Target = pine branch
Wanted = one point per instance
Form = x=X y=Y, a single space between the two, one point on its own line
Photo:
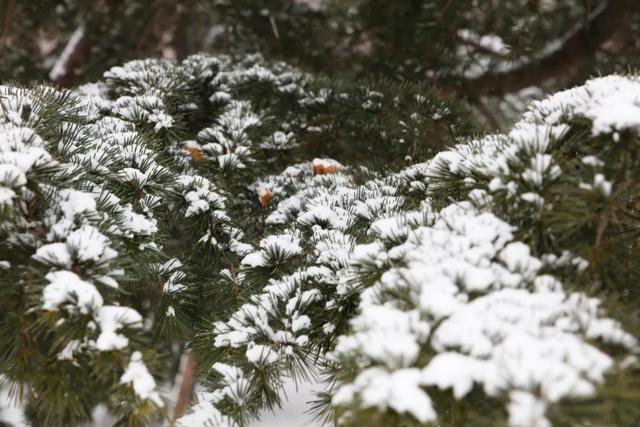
x=576 y=48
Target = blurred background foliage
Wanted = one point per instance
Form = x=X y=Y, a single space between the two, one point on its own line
x=493 y=53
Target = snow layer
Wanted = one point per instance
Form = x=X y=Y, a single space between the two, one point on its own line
x=66 y=289
x=491 y=317
x=138 y=376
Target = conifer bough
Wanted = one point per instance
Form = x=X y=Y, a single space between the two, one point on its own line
x=236 y=209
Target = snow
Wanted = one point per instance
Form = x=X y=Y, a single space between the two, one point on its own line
x=161 y=120
x=517 y=257
x=12 y=176
x=325 y=166
x=526 y=410
x=74 y=202
x=69 y=350
x=385 y=335
x=112 y=318
x=454 y=371
x=538 y=169
x=6 y=195
x=170 y=265
x=294 y=411
x=261 y=355
x=279 y=141
x=533 y=198
x=66 y=289
x=526 y=342
x=137 y=375
x=489 y=42
x=255 y=259
x=88 y=244
x=108 y=281
x=133 y=223
x=315 y=5
x=235 y=385
x=328 y=328
x=85 y=245
x=592 y=161
x=201 y=197
x=286 y=244
x=11 y=410
x=399 y=390
x=228 y=140
x=611 y=103
x=204 y=414
x=612 y=115
x=134 y=175
x=478 y=300
x=323 y=215
x=279 y=247
x=173 y=283
x=55 y=254
x=301 y=323
x=602 y=185
x=81 y=221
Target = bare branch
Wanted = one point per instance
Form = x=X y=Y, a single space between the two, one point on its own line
x=73 y=56
x=185 y=384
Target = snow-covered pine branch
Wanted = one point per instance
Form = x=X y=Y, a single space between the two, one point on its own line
x=126 y=209
x=193 y=205
x=467 y=277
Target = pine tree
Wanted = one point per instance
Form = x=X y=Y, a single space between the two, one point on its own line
x=181 y=239
x=101 y=186
x=465 y=290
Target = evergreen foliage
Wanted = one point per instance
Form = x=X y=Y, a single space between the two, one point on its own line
x=480 y=275
x=474 y=48
x=124 y=210
x=183 y=236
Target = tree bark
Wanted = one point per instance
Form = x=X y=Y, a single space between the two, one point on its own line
x=186 y=380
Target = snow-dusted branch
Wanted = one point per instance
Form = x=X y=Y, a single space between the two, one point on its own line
x=560 y=58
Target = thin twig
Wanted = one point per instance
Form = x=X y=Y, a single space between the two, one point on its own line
x=486 y=112
x=603 y=223
x=72 y=57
